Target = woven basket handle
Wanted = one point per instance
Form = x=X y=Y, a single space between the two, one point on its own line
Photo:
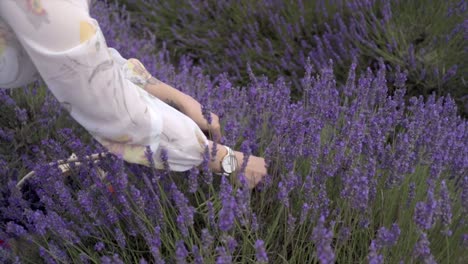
x=65 y=167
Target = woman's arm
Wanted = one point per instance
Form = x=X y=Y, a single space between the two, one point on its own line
x=185 y=104
x=179 y=100
x=69 y=50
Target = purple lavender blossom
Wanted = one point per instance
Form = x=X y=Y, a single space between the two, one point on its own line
x=424 y=212
x=115 y=259
x=322 y=238
x=387 y=238
x=99 y=246
x=227 y=212
x=260 y=253
x=374 y=257
x=230 y=243
x=422 y=251
x=344 y=235
x=211 y=213
x=21 y=114
x=149 y=156
x=304 y=212
x=120 y=237
x=6 y=135
x=464 y=194
x=464 y=240
x=58 y=253
x=207 y=239
x=15 y=230
x=186 y=212
x=411 y=193
x=181 y=252
x=45 y=255
x=445 y=208
x=254 y=222
x=193 y=179
x=243 y=205
x=84 y=258
x=223 y=256
x=198 y=258
x=292 y=220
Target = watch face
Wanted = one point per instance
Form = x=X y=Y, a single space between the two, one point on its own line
x=228 y=164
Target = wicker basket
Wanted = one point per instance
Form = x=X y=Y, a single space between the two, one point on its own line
x=64 y=166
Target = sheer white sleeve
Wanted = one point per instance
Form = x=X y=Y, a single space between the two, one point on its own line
x=97 y=86
x=69 y=51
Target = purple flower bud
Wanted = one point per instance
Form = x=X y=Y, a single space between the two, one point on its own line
x=387 y=238
x=424 y=213
x=207 y=239
x=193 y=179
x=99 y=246
x=411 y=193
x=6 y=135
x=304 y=213
x=115 y=259
x=291 y=223
x=450 y=73
x=45 y=255
x=254 y=223
x=223 y=256
x=211 y=213
x=230 y=243
x=422 y=251
x=260 y=253
x=444 y=204
x=374 y=257
x=15 y=230
x=464 y=194
x=181 y=252
x=5 y=98
x=186 y=212
x=322 y=238
x=21 y=114
x=198 y=259
x=464 y=240
x=120 y=237
x=84 y=258
x=227 y=212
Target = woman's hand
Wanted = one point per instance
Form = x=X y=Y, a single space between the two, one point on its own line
x=214 y=129
x=193 y=109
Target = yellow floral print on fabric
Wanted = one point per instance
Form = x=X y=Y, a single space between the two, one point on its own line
x=86 y=31
x=137 y=72
x=123 y=139
x=130 y=153
x=35 y=6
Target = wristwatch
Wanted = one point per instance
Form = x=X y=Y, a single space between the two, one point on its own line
x=229 y=162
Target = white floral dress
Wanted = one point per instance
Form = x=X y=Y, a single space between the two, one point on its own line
x=58 y=40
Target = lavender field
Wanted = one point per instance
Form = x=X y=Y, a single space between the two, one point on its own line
x=359 y=108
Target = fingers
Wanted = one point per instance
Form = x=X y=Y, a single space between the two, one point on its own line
x=214 y=129
x=213 y=134
x=216 y=133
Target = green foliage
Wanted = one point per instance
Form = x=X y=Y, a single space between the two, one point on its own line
x=426 y=39
x=422 y=37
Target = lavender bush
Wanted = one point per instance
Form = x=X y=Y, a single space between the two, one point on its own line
x=358 y=174
x=425 y=38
